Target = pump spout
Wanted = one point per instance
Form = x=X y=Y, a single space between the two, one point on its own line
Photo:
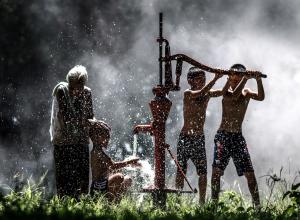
x=143 y=129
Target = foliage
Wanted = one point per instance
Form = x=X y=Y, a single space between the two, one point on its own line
x=31 y=203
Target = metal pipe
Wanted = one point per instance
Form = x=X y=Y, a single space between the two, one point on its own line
x=160 y=42
x=193 y=62
x=180 y=169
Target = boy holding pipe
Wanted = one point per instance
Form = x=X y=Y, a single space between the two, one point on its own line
x=191 y=144
x=229 y=141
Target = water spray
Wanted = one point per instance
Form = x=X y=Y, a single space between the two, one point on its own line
x=134 y=146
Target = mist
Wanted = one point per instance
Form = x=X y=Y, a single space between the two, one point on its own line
x=116 y=41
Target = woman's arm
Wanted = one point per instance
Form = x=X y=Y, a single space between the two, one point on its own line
x=90 y=113
x=63 y=106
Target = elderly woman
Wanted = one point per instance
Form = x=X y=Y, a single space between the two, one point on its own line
x=71 y=109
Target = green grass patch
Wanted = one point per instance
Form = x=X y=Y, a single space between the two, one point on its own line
x=32 y=203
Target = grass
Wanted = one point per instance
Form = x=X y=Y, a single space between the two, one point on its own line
x=32 y=203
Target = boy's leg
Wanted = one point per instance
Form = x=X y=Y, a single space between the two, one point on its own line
x=198 y=157
x=215 y=183
x=115 y=181
x=202 y=188
x=115 y=185
x=253 y=187
x=126 y=184
x=220 y=162
x=242 y=161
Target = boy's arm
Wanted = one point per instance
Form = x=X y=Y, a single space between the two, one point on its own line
x=219 y=92
x=122 y=164
x=205 y=89
x=239 y=89
x=260 y=95
x=112 y=165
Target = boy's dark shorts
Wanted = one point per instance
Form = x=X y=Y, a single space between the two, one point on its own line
x=232 y=144
x=192 y=147
x=99 y=186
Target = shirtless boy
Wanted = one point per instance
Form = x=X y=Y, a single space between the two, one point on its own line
x=113 y=185
x=229 y=141
x=191 y=144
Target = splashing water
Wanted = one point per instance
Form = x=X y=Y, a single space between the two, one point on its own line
x=142 y=176
x=134 y=150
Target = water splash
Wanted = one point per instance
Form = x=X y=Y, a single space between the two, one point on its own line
x=134 y=150
x=142 y=176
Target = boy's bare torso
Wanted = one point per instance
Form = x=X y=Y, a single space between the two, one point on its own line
x=100 y=164
x=194 y=113
x=234 y=110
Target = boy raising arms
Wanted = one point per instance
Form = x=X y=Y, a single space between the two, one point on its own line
x=114 y=185
x=229 y=141
x=191 y=144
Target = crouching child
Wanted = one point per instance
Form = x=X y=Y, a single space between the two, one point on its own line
x=104 y=177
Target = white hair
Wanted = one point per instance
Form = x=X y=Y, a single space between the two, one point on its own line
x=77 y=73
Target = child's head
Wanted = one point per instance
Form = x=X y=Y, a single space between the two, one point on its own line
x=196 y=77
x=236 y=78
x=99 y=132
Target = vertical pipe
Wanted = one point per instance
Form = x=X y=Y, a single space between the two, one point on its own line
x=159 y=154
x=160 y=46
x=160 y=107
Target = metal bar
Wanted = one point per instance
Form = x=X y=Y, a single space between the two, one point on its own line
x=214 y=70
x=166 y=190
x=160 y=42
x=180 y=169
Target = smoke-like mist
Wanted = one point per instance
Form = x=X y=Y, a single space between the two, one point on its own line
x=116 y=42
